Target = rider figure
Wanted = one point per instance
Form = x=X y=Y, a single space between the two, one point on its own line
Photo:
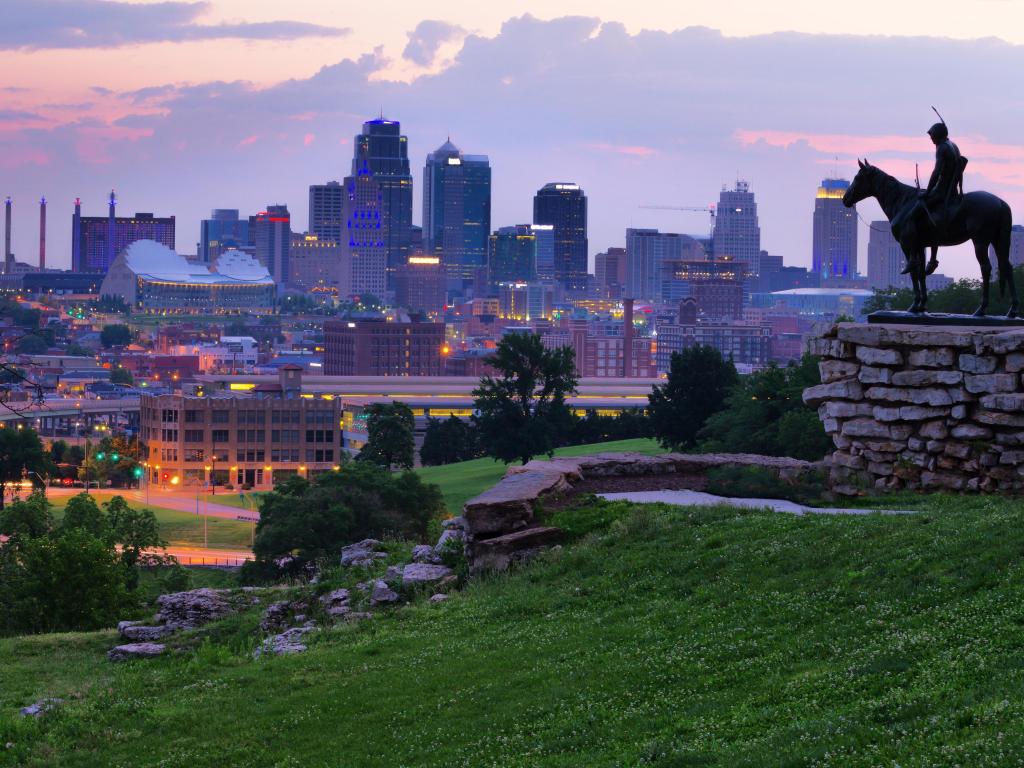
x=945 y=187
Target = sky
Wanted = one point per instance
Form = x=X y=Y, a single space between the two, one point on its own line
x=185 y=106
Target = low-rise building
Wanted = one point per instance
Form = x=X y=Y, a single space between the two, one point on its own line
x=383 y=348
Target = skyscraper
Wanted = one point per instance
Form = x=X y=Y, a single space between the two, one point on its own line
x=272 y=235
x=545 y=236
x=834 y=255
x=457 y=210
x=325 y=211
x=383 y=151
x=885 y=258
x=512 y=255
x=564 y=206
x=97 y=240
x=737 y=233
x=648 y=254
x=223 y=231
x=363 y=242
x=610 y=272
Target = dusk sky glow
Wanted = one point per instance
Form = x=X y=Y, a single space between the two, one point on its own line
x=188 y=106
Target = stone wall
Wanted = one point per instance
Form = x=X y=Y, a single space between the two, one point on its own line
x=922 y=407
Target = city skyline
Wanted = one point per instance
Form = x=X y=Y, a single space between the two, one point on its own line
x=267 y=141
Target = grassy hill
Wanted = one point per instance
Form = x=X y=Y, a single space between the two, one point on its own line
x=466 y=479
x=659 y=636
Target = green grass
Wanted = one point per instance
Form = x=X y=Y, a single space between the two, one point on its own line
x=461 y=482
x=658 y=636
x=180 y=528
x=231 y=499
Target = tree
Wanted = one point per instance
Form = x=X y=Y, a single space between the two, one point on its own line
x=135 y=532
x=699 y=380
x=121 y=375
x=115 y=335
x=31 y=344
x=20 y=452
x=82 y=512
x=447 y=441
x=77 y=350
x=306 y=521
x=113 y=459
x=765 y=414
x=26 y=518
x=389 y=443
x=521 y=412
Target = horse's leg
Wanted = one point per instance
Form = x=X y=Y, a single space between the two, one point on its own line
x=981 y=254
x=1002 y=248
x=919 y=267
x=933 y=263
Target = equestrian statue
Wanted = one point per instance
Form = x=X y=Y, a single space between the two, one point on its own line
x=941 y=215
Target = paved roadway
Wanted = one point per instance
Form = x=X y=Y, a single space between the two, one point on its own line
x=204 y=556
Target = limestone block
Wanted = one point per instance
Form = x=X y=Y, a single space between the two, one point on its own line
x=920 y=413
x=941 y=357
x=843 y=459
x=942 y=480
x=988 y=459
x=1003 y=343
x=882 y=335
x=830 y=348
x=977 y=363
x=877 y=456
x=848 y=389
x=843 y=410
x=915 y=444
x=1015 y=362
x=906 y=395
x=946 y=462
x=957 y=450
x=875 y=356
x=926 y=378
x=885 y=446
x=958 y=411
x=960 y=395
x=990 y=382
x=881 y=413
x=935 y=430
x=866 y=428
x=917 y=458
x=869 y=375
x=998 y=419
x=1011 y=457
x=1013 y=402
x=1010 y=438
x=883 y=468
x=834 y=370
x=970 y=432
x=841 y=443
x=935 y=446
x=901 y=431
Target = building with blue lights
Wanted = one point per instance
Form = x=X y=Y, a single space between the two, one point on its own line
x=223 y=231
x=834 y=256
x=96 y=240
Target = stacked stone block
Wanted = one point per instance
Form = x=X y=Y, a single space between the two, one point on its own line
x=922 y=407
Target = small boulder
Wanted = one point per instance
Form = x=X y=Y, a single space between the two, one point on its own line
x=381 y=593
x=393 y=573
x=140 y=634
x=424 y=553
x=362 y=553
x=188 y=610
x=440 y=597
x=455 y=535
x=288 y=642
x=136 y=651
x=41 y=707
x=336 y=603
x=276 y=615
x=424 y=573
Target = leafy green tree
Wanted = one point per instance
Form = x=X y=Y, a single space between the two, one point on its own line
x=765 y=414
x=21 y=452
x=136 y=533
x=521 y=412
x=72 y=581
x=115 y=335
x=699 y=380
x=74 y=455
x=390 y=440
x=595 y=428
x=82 y=512
x=447 y=441
x=26 y=518
x=113 y=459
x=305 y=521
x=31 y=344
x=121 y=375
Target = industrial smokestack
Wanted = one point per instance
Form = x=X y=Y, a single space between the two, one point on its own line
x=42 y=234
x=76 y=237
x=8 y=256
x=627 y=338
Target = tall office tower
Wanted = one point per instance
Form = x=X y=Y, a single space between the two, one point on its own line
x=97 y=240
x=221 y=232
x=457 y=211
x=8 y=256
x=564 y=206
x=737 y=234
x=834 y=257
x=610 y=272
x=272 y=236
x=512 y=255
x=545 y=235
x=382 y=150
x=318 y=266
x=363 y=242
x=420 y=285
x=648 y=251
x=1017 y=245
x=325 y=211
x=42 y=234
x=885 y=258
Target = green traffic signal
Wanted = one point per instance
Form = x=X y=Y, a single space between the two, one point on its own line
x=137 y=472
x=99 y=456
x=115 y=457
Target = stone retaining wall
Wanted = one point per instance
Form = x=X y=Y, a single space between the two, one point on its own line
x=500 y=525
x=922 y=407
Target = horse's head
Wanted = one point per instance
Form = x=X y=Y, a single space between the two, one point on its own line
x=860 y=188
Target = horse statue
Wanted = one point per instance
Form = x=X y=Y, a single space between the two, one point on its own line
x=980 y=217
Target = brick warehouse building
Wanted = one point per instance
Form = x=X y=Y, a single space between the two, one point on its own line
x=256 y=435
x=382 y=348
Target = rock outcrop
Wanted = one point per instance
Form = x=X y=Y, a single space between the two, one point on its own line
x=362 y=554
x=188 y=610
x=131 y=651
x=932 y=407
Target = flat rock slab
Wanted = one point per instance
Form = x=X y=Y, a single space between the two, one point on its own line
x=415 y=574
x=499 y=553
x=136 y=651
x=699 y=499
x=940 y=318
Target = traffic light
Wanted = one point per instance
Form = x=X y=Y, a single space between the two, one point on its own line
x=137 y=472
x=100 y=455
x=115 y=457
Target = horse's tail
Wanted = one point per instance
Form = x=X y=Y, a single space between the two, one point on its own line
x=1002 y=248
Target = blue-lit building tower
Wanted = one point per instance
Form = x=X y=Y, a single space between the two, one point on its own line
x=224 y=230
x=457 y=211
x=834 y=255
x=564 y=206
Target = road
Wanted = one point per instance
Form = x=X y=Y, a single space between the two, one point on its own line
x=179 y=501
x=203 y=556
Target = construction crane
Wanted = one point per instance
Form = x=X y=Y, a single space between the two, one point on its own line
x=708 y=209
